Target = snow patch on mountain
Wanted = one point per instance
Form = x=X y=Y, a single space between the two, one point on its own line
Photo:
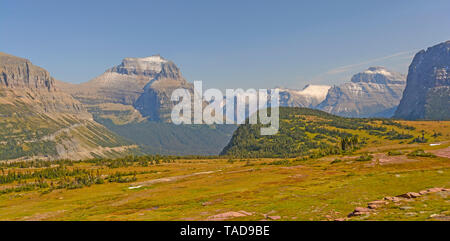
x=378 y=70
x=310 y=96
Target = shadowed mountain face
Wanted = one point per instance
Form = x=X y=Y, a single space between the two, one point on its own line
x=375 y=92
x=427 y=93
x=155 y=103
x=40 y=121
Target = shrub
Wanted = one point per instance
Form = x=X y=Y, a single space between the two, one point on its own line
x=364 y=158
x=421 y=153
x=336 y=161
x=248 y=164
x=280 y=162
x=395 y=153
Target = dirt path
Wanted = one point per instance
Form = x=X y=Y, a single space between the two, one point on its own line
x=442 y=152
x=43 y=216
x=384 y=159
x=171 y=179
x=138 y=185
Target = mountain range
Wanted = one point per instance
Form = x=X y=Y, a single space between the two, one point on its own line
x=126 y=110
x=375 y=92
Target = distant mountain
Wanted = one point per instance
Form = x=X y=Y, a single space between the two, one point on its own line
x=310 y=96
x=145 y=84
x=132 y=99
x=375 y=92
x=40 y=121
x=427 y=93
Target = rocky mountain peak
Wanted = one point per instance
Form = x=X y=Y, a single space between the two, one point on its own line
x=140 y=66
x=379 y=75
x=145 y=84
x=136 y=73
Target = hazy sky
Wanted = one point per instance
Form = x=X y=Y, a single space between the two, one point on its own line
x=227 y=44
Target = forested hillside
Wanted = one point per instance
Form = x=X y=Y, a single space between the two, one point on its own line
x=306 y=132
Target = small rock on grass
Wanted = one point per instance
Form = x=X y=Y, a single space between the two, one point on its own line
x=406 y=208
x=392 y=199
x=376 y=204
x=340 y=219
x=359 y=211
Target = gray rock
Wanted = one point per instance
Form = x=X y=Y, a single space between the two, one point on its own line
x=427 y=93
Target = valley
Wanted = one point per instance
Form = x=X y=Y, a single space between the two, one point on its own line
x=304 y=187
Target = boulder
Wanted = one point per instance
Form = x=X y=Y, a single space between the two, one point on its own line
x=435 y=189
x=378 y=202
x=359 y=211
x=392 y=199
x=410 y=195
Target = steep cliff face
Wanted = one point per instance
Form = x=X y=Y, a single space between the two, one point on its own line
x=17 y=72
x=375 y=92
x=40 y=121
x=427 y=93
x=22 y=81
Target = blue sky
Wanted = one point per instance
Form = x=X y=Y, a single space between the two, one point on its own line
x=227 y=44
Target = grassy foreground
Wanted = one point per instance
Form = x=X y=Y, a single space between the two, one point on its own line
x=326 y=188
